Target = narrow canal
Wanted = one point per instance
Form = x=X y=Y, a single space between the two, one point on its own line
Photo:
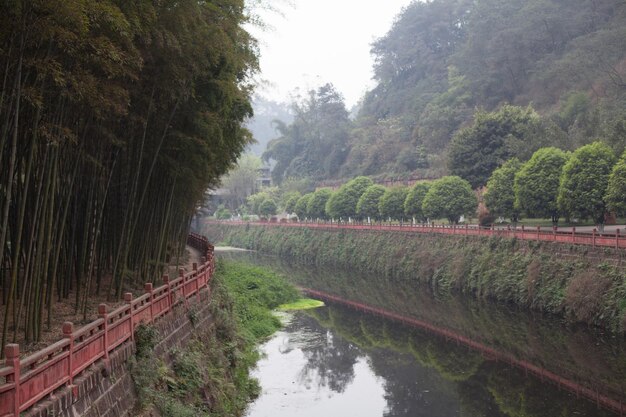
x=339 y=361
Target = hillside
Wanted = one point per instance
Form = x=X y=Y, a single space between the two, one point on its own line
x=443 y=61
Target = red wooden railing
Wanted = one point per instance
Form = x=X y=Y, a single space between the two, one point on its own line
x=594 y=238
x=601 y=399
x=25 y=381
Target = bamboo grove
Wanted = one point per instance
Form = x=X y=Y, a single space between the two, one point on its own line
x=115 y=117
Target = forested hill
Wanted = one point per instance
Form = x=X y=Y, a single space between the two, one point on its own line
x=444 y=60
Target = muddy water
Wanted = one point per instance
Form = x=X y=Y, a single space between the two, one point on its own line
x=337 y=361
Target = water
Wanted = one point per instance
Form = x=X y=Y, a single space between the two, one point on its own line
x=337 y=361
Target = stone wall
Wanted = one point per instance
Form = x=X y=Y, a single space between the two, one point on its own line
x=107 y=389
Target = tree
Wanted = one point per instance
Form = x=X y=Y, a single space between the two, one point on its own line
x=391 y=204
x=255 y=200
x=316 y=207
x=268 y=208
x=241 y=179
x=315 y=143
x=222 y=213
x=616 y=191
x=584 y=182
x=450 y=197
x=415 y=199
x=301 y=206
x=500 y=195
x=290 y=201
x=367 y=206
x=476 y=151
x=342 y=204
x=537 y=183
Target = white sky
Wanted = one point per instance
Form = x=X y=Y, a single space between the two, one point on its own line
x=320 y=41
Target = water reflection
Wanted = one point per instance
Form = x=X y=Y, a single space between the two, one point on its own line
x=423 y=374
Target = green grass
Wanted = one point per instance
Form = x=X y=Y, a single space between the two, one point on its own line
x=301 y=304
x=210 y=376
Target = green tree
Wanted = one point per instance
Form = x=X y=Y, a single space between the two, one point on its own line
x=316 y=207
x=290 y=200
x=476 y=151
x=255 y=200
x=315 y=143
x=500 y=195
x=537 y=183
x=584 y=182
x=415 y=199
x=391 y=204
x=367 y=206
x=222 y=213
x=268 y=208
x=241 y=179
x=616 y=191
x=301 y=206
x=450 y=197
x=342 y=204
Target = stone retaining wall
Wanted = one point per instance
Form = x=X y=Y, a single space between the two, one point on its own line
x=107 y=390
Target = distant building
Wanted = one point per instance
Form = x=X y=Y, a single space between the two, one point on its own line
x=264 y=178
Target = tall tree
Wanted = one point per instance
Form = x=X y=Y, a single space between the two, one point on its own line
x=500 y=195
x=342 y=204
x=367 y=206
x=616 y=190
x=584 y=182
x=477 y=150
x=450 y=197
x=391 y=204
x=537 y=183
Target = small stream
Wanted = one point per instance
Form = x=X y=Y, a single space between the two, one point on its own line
x=337 y=361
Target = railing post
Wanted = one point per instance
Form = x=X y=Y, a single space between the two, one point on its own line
x=68 y=333
x=128 y=299
x=538 y=232
x=523 y=237
x=102 y=312
x=181 y=274
x=197 y=280
x=594 y=236
x=554 y=228
x=12 y=355
x=466 y=229
x=150 y=290
x=492 y=229
x=574 y=234
x=617 y=239
x=166 y=281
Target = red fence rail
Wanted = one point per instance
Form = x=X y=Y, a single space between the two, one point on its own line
x=593 y=394
x=25 y=381
x=594 y=238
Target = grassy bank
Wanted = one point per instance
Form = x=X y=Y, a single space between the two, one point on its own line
x=579 y=283
x=211 y=376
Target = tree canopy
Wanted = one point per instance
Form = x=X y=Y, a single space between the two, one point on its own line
x=116 y=118
x=537 y=183
x=391 y=204
x=342 y=204
x=415 y=200
x=584 y=182
x=450 y=197
x=476 y=151
x=616 y=189
x=500 y=195
x=316 y=207
x=367 y=206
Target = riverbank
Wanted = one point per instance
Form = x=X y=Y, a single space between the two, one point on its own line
x=211 y=376
x=580 y=283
